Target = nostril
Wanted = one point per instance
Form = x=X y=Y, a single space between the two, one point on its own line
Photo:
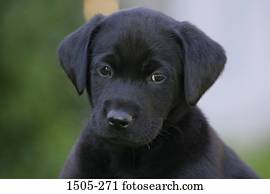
x=118 y=122
x=119 y=119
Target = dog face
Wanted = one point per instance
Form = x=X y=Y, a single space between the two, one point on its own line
x=133 y=79
x=137 y=65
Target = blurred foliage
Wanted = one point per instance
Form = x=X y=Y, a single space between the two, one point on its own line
x=41 y=114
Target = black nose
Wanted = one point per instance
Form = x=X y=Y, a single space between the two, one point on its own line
x=119 y=118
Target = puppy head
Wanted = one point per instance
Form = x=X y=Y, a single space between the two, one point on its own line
x=137 y=65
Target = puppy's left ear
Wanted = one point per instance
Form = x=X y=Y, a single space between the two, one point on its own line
x=73 y=52
x=204 y=60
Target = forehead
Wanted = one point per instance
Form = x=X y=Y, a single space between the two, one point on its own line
x=132 y=39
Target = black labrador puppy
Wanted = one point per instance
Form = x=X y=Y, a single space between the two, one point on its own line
x=144 y=73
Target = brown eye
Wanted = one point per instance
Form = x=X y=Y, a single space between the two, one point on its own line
x=105 y=71
x=157 y=77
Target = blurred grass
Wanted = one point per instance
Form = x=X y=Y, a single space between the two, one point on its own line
x=41 y=114
x=258 y=159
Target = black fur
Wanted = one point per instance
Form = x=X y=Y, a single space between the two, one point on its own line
x=168 y=136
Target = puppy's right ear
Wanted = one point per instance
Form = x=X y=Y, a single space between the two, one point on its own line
x=73 y=52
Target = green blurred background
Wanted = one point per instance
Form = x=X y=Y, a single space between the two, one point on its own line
x=41 y=114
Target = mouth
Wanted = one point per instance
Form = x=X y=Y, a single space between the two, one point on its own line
x=118 y=141
x=133 y=137
x=123 y=142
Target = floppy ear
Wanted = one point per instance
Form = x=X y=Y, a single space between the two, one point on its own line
x=204 y=60
x=73 y=53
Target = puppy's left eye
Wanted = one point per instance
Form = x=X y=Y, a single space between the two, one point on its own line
x=157 y=77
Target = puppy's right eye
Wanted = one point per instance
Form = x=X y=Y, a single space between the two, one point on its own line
x=105 y=71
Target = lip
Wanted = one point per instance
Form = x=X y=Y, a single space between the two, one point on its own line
x=116 y=140
x=119 y=142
